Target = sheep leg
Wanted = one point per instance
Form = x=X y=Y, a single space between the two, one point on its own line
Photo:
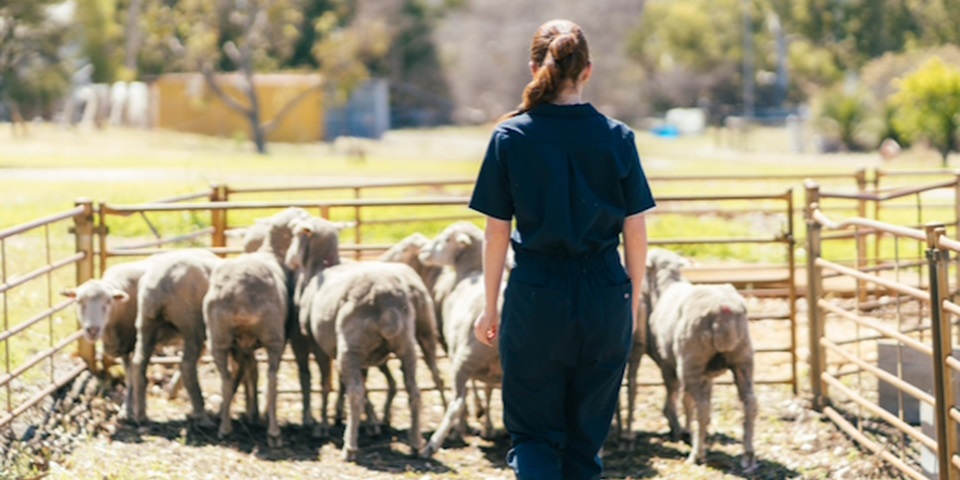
x=488 y=430
x=226 y=388
x=672 y=383
x=409 y=367
x=250 y=378
x=324 y=363
x=478 y=404
x=633 y=366
x=743 y=377
x=689 y=402
x=454 y=412
x=391 y=394
x=127 y=413
x=146 y=342
x=701 y=397
x=192 y=347
x=338 y=406
x=351 y=374
x=373 y=424
x=274 y=354
x=430 y=358
x=301 y=351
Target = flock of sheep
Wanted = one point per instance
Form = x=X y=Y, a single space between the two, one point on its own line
x=291 y=286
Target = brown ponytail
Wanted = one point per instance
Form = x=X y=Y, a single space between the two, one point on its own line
x=560 y=50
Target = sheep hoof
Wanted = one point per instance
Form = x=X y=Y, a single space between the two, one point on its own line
x=226 y=429
x=349 y=454
x=203 y=422
x=694 y=459
x=373 y=429
x=748 y=462
x=274 y=441
x=428 y=450
x=320 y=431
x=488 y=433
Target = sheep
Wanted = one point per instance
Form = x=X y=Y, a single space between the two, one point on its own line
x=637 y=350
x=460 y=246
x=253 y=236
x=695 y=333
x=169 y=306
x=246 y=307
x=357 y=313
x=107 y=310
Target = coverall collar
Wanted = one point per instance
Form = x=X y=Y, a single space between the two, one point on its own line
x=553 y=110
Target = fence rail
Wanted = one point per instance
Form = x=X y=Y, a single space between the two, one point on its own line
x=878 y=188
x=865 y=393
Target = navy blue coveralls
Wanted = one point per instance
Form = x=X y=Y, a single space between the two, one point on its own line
x=569 y=176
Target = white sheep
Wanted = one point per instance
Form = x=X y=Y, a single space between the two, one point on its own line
x=359 y=314
x=169 y=307
x=695 y=333
x=246 y=308
x=107 y=310
x=460 y=246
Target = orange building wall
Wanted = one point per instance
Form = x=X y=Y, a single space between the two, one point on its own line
x=184 y=102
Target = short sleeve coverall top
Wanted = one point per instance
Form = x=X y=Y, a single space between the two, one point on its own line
x=569 y=176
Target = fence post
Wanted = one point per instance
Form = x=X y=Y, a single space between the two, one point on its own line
x=814 y=287
x=83 y=230
x=956 y=233
x=942 y=348
x=861 y=176
x=356 y=218
x=792 y=290
x=218 y=218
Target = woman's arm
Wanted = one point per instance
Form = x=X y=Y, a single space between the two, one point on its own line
x=495 y=243
x=635 y=250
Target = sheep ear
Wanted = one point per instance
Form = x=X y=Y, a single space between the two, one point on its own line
x=69 y=292
x=341 y=226
x=120 y=296
x=464 y=239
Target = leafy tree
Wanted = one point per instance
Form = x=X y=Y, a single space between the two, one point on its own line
x=847 y=115
x=31 y=72
x=102 y=37
x=928 y=106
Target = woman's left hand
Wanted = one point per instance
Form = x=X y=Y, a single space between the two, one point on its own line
x=486 y=328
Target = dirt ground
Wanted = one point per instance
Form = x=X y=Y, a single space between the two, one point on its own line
x=791 y=440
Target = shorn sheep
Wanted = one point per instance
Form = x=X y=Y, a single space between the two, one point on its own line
x=107 y=310
x=246 y=308
x=359 y=314
x=170 y=306
x=460 y=246
x=695 y=333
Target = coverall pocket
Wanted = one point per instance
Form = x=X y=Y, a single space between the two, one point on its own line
x=614 y=333
x=534 y=321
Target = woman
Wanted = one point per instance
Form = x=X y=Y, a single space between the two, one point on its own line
x=572 y=179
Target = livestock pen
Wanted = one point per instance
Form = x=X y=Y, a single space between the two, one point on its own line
x=741 y=229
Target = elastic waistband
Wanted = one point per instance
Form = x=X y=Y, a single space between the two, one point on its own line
x=534 y=259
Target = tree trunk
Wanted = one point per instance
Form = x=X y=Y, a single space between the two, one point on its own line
x=259 y=136
x=133 y=37
x=944 y=153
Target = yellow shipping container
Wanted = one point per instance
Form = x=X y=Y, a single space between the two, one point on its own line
x=184 y=102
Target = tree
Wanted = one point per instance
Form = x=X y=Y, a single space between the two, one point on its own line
x=243 y=35
x=928 y=106
x=31 y=73
x=847 y=116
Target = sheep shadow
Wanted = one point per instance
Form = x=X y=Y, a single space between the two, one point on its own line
x=248 y=437
x=621 y=462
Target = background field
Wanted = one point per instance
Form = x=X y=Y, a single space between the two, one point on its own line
x=45 y=173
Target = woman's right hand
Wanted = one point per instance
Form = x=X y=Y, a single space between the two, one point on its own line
x=487 y=327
